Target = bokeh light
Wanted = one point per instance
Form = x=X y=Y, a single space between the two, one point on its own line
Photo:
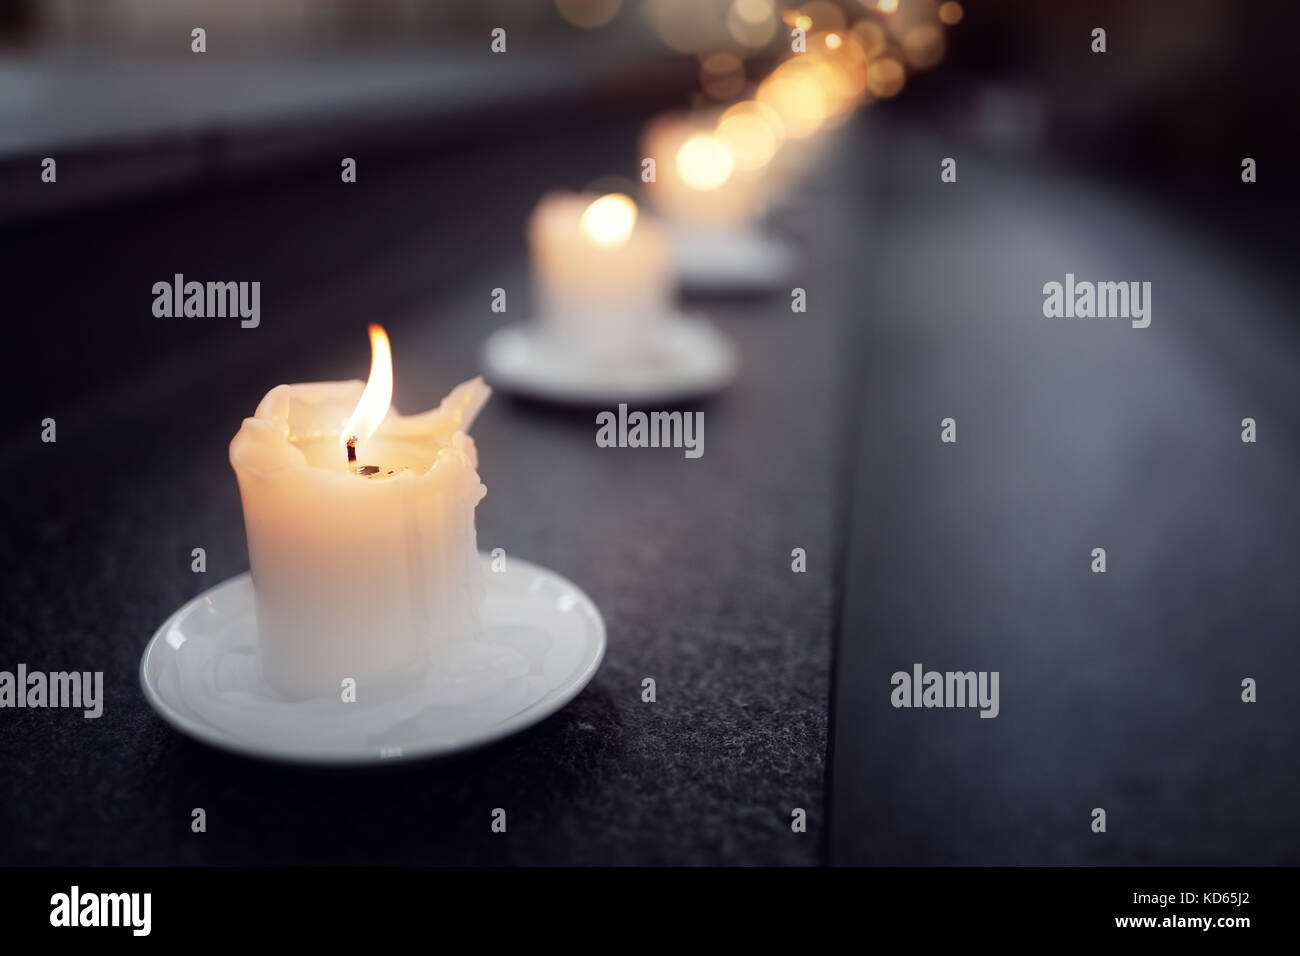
x=849 y=60
x=752 y=131
x=870 y=36
x=688 y=26
x=923 y=46
x=588 y=14
x=752 y=23
x=823 y=15
x=609 y=220
x=885 y=77
x=722 y=75
x=794 y=92
x=704 y=162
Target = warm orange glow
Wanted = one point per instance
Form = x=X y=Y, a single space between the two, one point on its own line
x=704 y=162
x=752 y=23
x=870 y=37
x=803 y=22
x=588 y=14
x=753 y=132
x=833 y=41
x=609 y=220
x=795 y=93
x=824 y=14
x=842 y=77
x=923 y=46
x=686 y=26
x=885 y=77
x=951 y=12
x=753 y=11
x=722 y=75
x=888 y=6
x=378 y=393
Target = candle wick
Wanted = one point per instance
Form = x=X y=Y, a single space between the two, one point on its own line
x=352 y=449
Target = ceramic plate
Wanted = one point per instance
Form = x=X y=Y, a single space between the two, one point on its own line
x=687 y=358
x=540 y=644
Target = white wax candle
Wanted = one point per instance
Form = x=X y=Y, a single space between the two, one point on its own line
x=358 y=577
x=602 y=272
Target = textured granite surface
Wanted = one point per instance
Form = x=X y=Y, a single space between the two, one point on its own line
x=1119 y=690
x=689 y=560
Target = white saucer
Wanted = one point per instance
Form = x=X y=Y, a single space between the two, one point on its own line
x=541 y=642
x=685 y=358
x=737 y=261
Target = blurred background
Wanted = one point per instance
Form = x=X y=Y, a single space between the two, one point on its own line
x=924 y=302
x=1186 y=90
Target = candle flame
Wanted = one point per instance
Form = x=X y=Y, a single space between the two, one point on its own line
x=378 y=394
x=609 y=220
x=704 y=162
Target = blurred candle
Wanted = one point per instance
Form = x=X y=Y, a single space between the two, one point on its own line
x=703 y=177
x=359 y=568
x=601 y=270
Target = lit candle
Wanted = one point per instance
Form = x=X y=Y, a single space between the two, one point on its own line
x=706 y=174
x=360 y=529
x=602 y=272
x=710 y=186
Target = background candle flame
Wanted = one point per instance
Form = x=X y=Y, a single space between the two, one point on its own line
x=378 y=394
x=704 y=162
x=609 y=220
